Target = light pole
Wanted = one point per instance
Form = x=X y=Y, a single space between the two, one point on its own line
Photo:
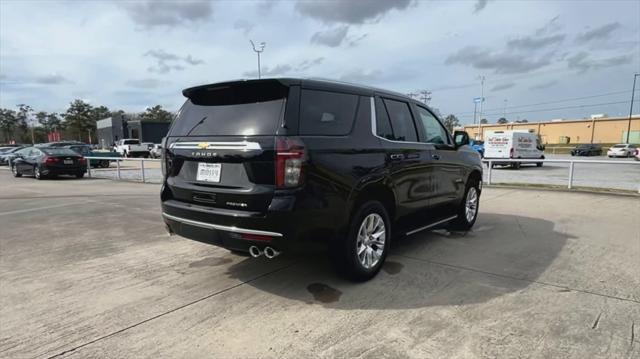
x=504 y=109
x=258 y=50
x=482 y=78
x=631 y=107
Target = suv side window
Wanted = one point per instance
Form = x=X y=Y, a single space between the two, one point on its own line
x=327 y=113
x=383 y=126
x=401 y=121
x=434 y=131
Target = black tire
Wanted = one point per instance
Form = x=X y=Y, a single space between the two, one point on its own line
x=515 y=165
x=104 y=164
x=462 y=223
x=37 y=174
x=15 y=171
x=80 y=175
x=539 y=164
x=344 y=252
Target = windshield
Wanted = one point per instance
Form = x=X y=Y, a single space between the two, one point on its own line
x=619 y=146
x=83 y=150
x=583 y=146
x=58 y=151
x=131 y=142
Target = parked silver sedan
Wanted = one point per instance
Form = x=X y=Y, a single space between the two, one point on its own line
x=622 y=150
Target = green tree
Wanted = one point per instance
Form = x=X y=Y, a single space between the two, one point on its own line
x=502 y=120
x=450 y=122
x=100 y=113
x=8 y=124
x=156 y=113
x=25 y=119
x=49 y=121
x=484 y=121
x=80 y=119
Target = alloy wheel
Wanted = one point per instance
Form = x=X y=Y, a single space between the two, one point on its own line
x=370 y=245
x=471 y=204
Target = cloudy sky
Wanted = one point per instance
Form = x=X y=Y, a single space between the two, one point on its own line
x=130 y=55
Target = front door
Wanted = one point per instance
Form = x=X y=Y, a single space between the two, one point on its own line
x=448 y=173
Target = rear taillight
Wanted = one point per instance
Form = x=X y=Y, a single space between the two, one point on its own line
x=290 y=156
x=82 y=161
x=51 y=160
x=511 y=153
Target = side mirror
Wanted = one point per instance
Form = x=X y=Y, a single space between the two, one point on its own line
x=460 y=138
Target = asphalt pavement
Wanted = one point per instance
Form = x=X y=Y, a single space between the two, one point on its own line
x=87 y=270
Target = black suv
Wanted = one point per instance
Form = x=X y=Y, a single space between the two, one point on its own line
x=276 y=165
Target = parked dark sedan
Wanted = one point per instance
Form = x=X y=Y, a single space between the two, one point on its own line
x=48 y=162
x=7 y=154
x=587 y=150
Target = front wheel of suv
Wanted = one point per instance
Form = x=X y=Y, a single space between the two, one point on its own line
x=468 y=209
x=360 y=256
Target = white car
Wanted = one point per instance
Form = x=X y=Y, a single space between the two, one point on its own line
x=156 y=151
x=622 y=150
x=637 y=155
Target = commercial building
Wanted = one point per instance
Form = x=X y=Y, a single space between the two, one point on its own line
x=596 y=130
x=112 y=129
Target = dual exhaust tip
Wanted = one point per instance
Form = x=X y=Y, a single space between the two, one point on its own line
x=268 y=252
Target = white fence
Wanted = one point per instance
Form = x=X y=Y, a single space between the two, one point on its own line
x=571 y=166
x=118 y=160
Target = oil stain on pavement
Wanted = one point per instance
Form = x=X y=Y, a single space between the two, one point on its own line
x=324 y=293
x=392 y=268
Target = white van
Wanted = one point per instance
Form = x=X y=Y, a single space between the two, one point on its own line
x=513 y=145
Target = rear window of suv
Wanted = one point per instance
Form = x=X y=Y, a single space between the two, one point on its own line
x=327 y=113
x=237 y=110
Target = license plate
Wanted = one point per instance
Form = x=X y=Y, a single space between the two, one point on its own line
x=68 y=162
x=209 y=172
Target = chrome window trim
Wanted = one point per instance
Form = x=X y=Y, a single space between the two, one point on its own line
x=221 y=227
x=240 y=145
x=374 y=131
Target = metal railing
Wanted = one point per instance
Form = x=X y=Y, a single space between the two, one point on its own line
x=571 y=163
x=117 y=160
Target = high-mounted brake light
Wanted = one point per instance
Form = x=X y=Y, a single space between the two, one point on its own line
x=290 y=155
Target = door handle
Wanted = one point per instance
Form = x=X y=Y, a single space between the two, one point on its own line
x=435 y=157
x=396 y=156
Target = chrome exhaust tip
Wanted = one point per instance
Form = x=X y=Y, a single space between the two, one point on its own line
x=271 y=253
x=255 y=251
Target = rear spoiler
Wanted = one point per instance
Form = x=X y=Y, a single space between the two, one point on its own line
x=195 y=91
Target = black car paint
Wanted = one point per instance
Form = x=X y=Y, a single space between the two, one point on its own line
x=27 y=163
x=420 y=183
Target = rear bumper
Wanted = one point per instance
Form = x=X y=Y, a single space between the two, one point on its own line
x=238 y=230
x=47 y=171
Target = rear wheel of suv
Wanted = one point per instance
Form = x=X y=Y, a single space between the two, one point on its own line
x=468 y=209
x=361 y=254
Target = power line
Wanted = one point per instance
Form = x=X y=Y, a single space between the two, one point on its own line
x=551 y=102
x=564 y=108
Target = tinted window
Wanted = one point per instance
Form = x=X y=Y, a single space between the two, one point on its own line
x=435 y=133
x=131 y=142
x=401 y=121
x=59 y=152
x=256 y=118
x=326 y=113
x=24 y=151
x=83 y=150
x=383 y=127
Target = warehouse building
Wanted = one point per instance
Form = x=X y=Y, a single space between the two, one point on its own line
x=605 y=130
x=112 y=129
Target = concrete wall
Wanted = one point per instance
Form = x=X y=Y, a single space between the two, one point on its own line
x=608 y=130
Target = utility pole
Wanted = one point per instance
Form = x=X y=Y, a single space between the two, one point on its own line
x=631 y=107
x=482 y=78
x=258 y=50
x=504 y=109
x=426 y=96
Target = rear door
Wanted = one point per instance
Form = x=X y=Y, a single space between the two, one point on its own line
x=408 y=160
x=220 y=150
